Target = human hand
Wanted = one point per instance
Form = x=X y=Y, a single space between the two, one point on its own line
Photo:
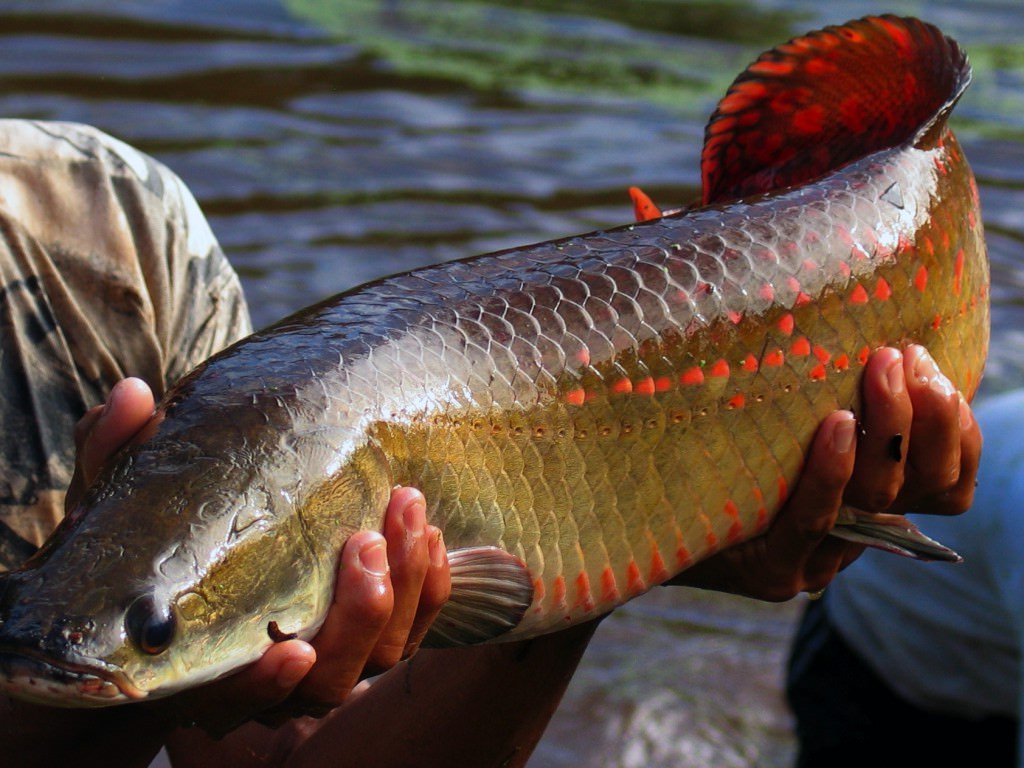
x=917 y=446
x=390 y=588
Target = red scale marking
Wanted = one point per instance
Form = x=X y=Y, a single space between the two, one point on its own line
x=859 y=295
x=735 y=317
x=710 y=539
x=736 y=529
x=584 y=598
x=921 y=279
x=720 y=369
x=622 y=387
x=801 y=347
x=936 y=322
x=662 y=384
x=844 y=269
x=822 y=354
x=810 y=119
x=882 y=289
x=737 y=401
x=818 y=372
x=609 y=589
x=783 y=490
x=583 y=356
x=658 y=572
x=863 y=354
x=802 y=299
x=644 y=386
x=786 y=324
x=775 y=358
x=749 y=364
x=767 y=292
x=692 y=377
x=842 y=362
x=683 y=556
x=558 y=592
x=634 y=581
x=793 y=283
x=958 y=271
x=538 y=592
x=575 y=397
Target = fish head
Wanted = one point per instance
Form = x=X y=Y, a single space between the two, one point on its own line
x=175 y=570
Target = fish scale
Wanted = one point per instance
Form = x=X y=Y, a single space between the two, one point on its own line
x=586 y=417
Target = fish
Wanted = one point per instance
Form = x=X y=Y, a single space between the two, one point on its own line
x=587 y=417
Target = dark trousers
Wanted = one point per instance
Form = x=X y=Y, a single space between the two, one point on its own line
x=847 y=716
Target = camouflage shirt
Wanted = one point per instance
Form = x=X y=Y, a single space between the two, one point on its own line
x=107 y=269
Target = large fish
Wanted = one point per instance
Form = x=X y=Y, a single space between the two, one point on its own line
x=587 y=416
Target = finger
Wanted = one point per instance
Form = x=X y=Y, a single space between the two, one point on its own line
x=226 y=704
x=884 y=433
x=408 y=554
x=129 y=406
x=363 y=599
x=958 y=499
x=830 y=557
x=810 y=513
x=933 y=457
x=437 y=588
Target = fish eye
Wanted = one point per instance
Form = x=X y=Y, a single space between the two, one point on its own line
x=150 y=625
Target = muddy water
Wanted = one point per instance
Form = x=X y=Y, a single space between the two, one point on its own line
x=333 y=141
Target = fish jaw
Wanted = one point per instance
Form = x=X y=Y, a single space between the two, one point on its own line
x=42 y=681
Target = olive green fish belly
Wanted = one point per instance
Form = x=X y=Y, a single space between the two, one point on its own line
x=610 y=461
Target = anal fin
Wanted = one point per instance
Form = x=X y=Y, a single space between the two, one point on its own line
x=891 y=533
x=491 y=591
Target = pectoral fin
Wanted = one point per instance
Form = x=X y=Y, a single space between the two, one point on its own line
x=891 y=533
x=491 y=591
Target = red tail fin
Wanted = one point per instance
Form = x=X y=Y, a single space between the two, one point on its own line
x=827 y=98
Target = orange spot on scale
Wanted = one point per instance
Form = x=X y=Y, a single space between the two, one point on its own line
x=921 y=279
x=863 y=354
x=818 y=372
x=822 y=354
x=575 y=397
x=802 y=299
x=786 y=324
x=538 y=591
x=558 y=592
x=882 y=289
x=634 y=581
x=859 y=295
x=936 y=322
x=762 y=519
x=683 y=556
x=783 y=490
x=800 y=348
x=644 y=386
x=737 y=401
x=842 y=362
x=774 y=359
x=662 y=384
x=958 y=271
x=735 y=317
x=584 y=598
x=749 y=364
x=736 y=529
x=658 y=572
x=609 y=589
x=692 y=376
x=583 y=356
x=719 y=369
x=622 y=387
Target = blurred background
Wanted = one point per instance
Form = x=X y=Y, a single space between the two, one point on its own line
x=334 y=141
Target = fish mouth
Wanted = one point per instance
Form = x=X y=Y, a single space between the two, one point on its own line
x=36 y=678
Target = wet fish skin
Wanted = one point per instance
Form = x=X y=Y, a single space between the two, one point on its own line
x=608 y=409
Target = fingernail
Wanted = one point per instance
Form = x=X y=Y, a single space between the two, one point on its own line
x=291 y=672
x=942 y=385
x=843 y=435
x=894 y=376
x=374 y=558
x=415 y=517
x=966 y=418
x=924 y=367
x=437 y=550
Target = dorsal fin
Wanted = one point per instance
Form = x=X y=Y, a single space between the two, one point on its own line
x=828 y=98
